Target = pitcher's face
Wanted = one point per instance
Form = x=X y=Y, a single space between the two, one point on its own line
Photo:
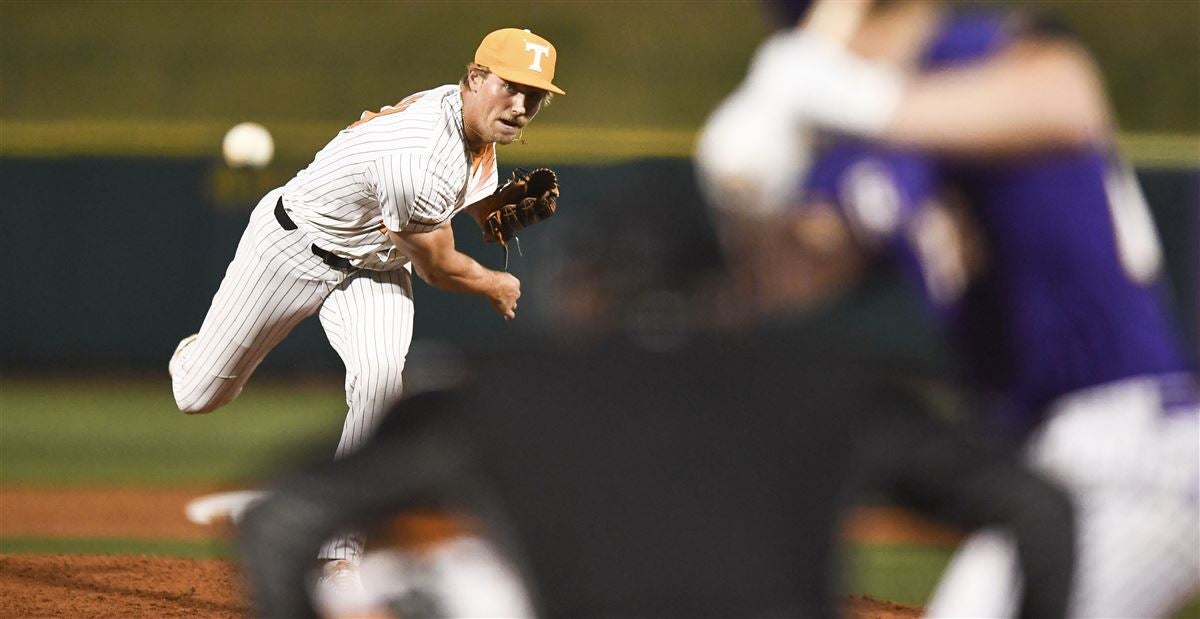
x=499 y=109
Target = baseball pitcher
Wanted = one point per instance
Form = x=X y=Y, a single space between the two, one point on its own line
x=341 y=239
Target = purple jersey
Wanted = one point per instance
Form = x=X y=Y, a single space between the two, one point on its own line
x=1067 y=295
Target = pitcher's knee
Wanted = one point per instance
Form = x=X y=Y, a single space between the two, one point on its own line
x=189 y=407
x=197 y=400
x=382 y=388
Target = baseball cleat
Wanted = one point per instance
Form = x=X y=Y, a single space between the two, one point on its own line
x=222 y=506
x=339 y=591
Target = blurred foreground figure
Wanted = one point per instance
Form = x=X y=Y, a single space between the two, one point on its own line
x=706 y=481
x=976 y=154
x=618 y=482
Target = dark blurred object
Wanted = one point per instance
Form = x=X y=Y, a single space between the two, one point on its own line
x=703 y=482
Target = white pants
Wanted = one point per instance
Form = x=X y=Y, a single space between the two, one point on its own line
x=273 y=283
x=1133 y=473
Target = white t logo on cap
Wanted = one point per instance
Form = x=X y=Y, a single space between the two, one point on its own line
x=538 y=52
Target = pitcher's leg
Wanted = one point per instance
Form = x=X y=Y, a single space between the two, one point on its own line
x=257 y=304
x=368 y=320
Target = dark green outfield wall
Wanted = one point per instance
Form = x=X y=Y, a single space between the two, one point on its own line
x=108 y=262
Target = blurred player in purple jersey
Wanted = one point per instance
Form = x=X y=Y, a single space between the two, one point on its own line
x=974 y=149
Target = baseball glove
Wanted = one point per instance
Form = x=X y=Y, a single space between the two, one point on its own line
x=527 y=198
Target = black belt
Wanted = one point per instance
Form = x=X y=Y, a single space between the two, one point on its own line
x=326 y=256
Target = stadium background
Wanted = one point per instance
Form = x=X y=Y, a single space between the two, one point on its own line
x=117 y=216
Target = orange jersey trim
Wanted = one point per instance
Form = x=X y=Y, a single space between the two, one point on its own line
x=482 y=161
x=486 y=157
x=387 y=109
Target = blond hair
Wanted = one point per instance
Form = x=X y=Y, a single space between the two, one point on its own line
x=475 y=67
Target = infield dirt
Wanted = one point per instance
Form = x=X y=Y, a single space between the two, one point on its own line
x=141 y=586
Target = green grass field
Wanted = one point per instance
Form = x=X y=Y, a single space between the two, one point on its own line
x=128 y=433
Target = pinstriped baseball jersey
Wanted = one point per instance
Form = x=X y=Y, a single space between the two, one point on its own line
x=405 y=168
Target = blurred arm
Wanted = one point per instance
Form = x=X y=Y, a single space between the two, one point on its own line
x=441 y=265
x=1037 y=95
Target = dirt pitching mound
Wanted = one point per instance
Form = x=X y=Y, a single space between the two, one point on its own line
x=119 y=587
x=867 y=607
x=140 y=586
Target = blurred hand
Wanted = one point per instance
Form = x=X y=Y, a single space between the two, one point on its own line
x=820 y=83
x=754 y=150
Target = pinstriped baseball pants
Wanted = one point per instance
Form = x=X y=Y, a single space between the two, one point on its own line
x=275 y=282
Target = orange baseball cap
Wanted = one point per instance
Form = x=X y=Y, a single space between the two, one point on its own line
x=519 y=56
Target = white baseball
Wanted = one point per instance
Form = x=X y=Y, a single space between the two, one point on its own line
x=248 y=145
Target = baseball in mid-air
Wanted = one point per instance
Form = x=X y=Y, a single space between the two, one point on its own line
x=248 y=145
